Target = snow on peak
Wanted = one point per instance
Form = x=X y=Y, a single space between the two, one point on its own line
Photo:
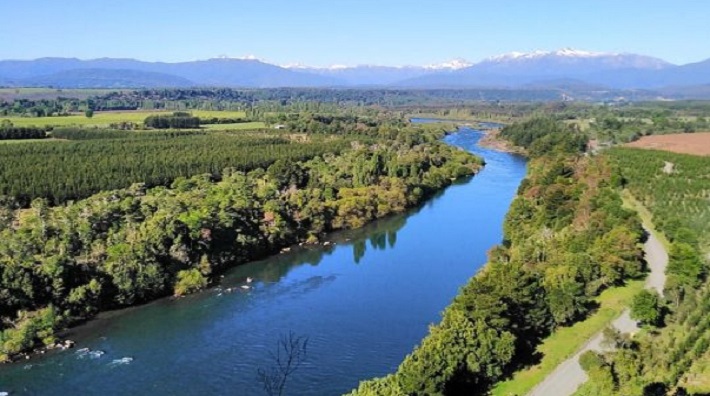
x=338 y=67
x=454 y=64
x=245 y=57
x=296 y=66
x=565 y=52
x=302 y=66
x=579 y=53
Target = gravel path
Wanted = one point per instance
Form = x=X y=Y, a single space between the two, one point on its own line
x=568 y=376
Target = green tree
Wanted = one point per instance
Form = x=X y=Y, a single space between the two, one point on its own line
x=646 y=307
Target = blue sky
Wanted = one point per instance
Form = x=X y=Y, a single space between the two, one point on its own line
x=324 y=32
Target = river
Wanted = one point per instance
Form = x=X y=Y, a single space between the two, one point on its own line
x=363 y=303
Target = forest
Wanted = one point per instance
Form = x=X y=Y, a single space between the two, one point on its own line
x=217 y=201
x=93 y=161
x=672 y=354
x=84 y=161
x=566 y=238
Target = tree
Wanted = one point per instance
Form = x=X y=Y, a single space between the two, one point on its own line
x=685 y=264
x=645 y=307
x=89 y=113
x=291 y=352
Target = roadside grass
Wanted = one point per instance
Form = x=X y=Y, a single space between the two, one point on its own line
x=104 y=118
x=566 y=341
x=630 y=202
x=586 y=389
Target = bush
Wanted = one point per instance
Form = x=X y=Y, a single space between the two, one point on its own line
x=189 y=281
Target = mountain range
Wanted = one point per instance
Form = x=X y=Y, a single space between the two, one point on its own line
x=538 y=69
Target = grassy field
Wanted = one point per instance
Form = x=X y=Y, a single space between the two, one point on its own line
x=564 y=342
x=103 y=119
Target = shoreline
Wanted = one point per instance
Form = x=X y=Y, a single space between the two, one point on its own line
x=326 y=240
x=491 y=140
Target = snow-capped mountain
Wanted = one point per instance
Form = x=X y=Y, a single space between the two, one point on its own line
x=454 y=64
x=520 y=68
x=565 y=67
x=564 y=52
x=379 y=75
x=569 y=61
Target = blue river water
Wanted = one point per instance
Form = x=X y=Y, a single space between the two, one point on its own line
x=363 y=302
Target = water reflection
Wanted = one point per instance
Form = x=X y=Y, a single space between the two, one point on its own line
x=380 y=235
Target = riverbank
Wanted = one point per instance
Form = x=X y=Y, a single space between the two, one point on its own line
x=126 y=247
x=362 y=302
x=538 y=280
x=493 y=141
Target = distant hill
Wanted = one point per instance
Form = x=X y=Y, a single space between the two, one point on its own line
x=213 y=72
x=245 y=73
x=106 y=78
x=690 y=74
x=568 y=71
x=687 y=92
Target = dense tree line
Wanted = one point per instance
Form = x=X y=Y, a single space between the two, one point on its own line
x=39 y=107
x=316 y=100
x=63 y=171
x=342 y=97
x=11 y=132
x=177 y=120
x=614 y=129
x=540 y=135
x=221 y=120
x=673 y=358
x=62 y=264
x=105 y=134
x=566 y=238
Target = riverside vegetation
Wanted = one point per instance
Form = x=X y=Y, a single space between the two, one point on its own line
x=566 y=238
x=69 y=250
x=212 y=200
x=672 y=355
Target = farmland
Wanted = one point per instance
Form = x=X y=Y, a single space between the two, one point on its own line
x=682 y=143
x=106 y=118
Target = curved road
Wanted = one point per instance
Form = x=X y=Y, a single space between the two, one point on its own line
x=568 y=376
